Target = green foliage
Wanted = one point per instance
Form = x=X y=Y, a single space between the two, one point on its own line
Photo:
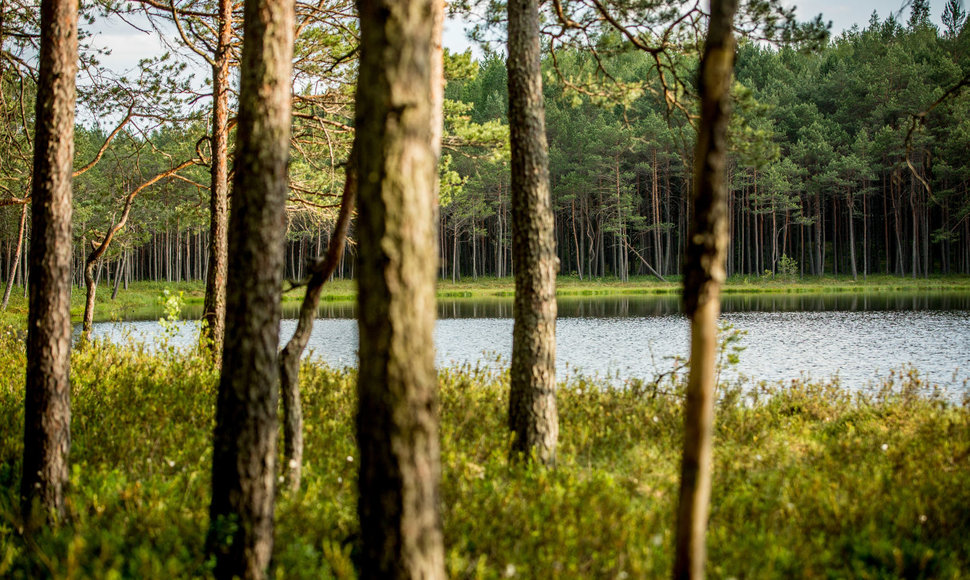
x=787 y=267
x=171 y=303
x=810 y=479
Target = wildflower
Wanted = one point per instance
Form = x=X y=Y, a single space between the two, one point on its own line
x=350 y=459
x=509 y=570
x=885 y=446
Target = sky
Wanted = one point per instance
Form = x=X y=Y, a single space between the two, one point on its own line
x=129 y=45
x=844 y=14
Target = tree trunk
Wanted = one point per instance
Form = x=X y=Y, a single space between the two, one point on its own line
x=120 y=272
x=579 y=260
x=214 y=309
x=532 y=399
x=703 y=276
x=454 y=256
x=16 y=258
x=397 y=420
x=246 y=430
x=47 y=403
x=320 y=272
x=98 y=250
x=849 y=203
x=90 y=289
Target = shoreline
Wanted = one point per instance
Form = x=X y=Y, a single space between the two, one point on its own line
x=144 y=296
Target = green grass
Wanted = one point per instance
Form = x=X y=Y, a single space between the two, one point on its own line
x=141 y=299
x=809 y=480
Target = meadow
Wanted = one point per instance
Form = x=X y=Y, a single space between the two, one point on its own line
x=809 y=480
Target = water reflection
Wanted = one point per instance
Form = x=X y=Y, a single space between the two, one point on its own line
x=624 y=306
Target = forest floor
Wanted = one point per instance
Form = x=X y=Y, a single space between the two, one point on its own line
x=809 y=480
x=142 y=299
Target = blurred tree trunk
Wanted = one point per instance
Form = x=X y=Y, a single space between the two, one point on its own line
x=47 y=413
x=320 y=271
x=704 y=274
x=532 y=401
x=397 y=421
x=246 y=431
x=214 y=310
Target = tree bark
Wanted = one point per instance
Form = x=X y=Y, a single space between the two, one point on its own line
x=849 y=202
x=246 y=430
x=704 y=274
x=47 y=406
x=532 y=399
x=214 y=309
x=120 y=272
x=16 y=258
x=320 y=271
x=90 y=291
x=397 y=420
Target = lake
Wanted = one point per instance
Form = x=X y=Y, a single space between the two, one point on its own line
x=858 y=337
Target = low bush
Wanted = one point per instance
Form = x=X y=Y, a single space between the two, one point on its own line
x=809 y=480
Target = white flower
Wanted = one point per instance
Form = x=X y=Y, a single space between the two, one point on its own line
x=922 y=518
x=170 y=462
x=509 y=570
x=885 y=446
x=350 y=459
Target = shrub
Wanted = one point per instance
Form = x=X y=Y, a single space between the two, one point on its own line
x=809 y=479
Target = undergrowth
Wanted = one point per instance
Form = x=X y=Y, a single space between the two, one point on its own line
x=809 y=480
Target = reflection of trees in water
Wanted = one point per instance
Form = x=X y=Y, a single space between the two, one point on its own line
x=656 y=305
x=851 y=302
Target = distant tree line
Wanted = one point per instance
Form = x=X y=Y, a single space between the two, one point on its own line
x=819 y=167
x=836 y=166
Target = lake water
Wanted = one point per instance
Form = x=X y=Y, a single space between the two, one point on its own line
x=858 y=337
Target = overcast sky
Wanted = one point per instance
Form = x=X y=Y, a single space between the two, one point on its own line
x=844 y=14
x=128 y=45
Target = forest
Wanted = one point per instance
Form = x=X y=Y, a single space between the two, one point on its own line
x=701 y=142
x=842 y=162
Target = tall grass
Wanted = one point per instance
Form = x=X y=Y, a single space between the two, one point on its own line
x=810 y=481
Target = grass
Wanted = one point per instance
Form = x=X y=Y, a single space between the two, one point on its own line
x=573 y=286
x=141 y=299
x=809 y=480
